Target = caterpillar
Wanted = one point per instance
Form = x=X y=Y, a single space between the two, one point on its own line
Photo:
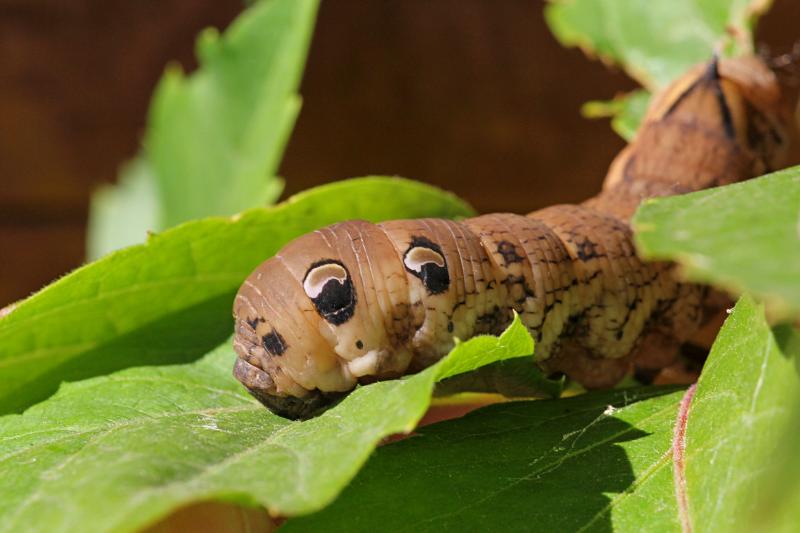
x=357 y=302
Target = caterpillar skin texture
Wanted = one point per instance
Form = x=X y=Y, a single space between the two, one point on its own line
x=357 y=302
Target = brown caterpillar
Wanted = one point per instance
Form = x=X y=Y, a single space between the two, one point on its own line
x=357 y=302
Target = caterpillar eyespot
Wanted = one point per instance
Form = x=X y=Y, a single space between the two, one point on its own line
x=327 y=283
x=424 y=260
x=357 y=302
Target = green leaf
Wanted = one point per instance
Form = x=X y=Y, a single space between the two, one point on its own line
x=655 y=41
x=742 y=237
x=601 y=461
x=777 y=502
x=626 y=112
x=170 y=299
x=121 y=215
x=215 y=138
x=598 y=462
x=118 y=452
x=514 y=378
x=744 y=406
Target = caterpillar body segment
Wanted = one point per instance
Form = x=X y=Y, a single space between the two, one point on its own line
x=357 y=302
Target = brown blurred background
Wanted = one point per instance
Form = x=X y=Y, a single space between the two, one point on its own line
x=472 y=95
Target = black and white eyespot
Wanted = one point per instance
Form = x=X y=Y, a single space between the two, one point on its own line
x=425 y=260
x=329 y=286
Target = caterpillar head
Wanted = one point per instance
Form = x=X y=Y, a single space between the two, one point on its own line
x=329 y=311
x=282 y=359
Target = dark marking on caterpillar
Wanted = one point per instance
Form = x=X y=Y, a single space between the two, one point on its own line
x=494 y=320
x=424 y=259
x=681 y=97
x=645 y=376
x=509 y=253
x=274 y=343
x=725 y=110
x=587 y=249
x=329 y=286
x=512 y=280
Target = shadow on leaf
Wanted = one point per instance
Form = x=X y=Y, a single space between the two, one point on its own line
x=543 y=465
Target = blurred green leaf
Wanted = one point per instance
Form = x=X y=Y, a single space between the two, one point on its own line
x=170 y=299
x=742 y=237
x=121 y=215
x=655 y=41
x=745 y=404
x=214 y=138
x=626 y=112
x=118 y=452
x=595 y=462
